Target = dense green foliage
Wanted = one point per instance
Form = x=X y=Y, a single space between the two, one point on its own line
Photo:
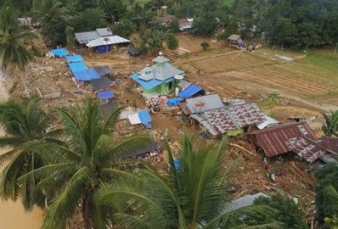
x=290 y=23
x=87 y=159
x=288 y=212
x=25 y=124
x=191 y=195
x=90 y=19
x=326 y=176
x=331 y=124
x=15 y=47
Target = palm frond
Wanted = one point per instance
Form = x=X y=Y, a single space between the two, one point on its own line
x=66 y=202
x=8 y=181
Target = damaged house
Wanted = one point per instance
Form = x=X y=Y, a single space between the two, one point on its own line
x=294 y=137
x=216 y=118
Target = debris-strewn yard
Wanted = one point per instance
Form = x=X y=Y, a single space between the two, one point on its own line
x=305 y=87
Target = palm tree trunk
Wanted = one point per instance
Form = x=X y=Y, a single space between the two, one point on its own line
x=85 y=215
x=24 y=83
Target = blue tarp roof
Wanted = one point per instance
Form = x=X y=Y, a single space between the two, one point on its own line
x=59 y=52
x=105 y=94
x=151 y=84
x=191 y=90
x=174 y=101
x=86 y=75
x=74 y=58
x=144 y=116
x=77 y=66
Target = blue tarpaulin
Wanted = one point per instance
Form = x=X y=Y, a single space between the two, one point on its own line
x=144 y=116
x=191 y=90
x=60 y=52
x=177 y=163
x=77 y=66
x=86 y=75
x=173 y=101
x=105 y=94
x=74 y=58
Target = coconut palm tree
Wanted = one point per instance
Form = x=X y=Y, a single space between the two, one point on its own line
x=25 y=124
x=89 y=159
x=47 y=10
x=192 y=193
x=14 y=48
x=331 y=124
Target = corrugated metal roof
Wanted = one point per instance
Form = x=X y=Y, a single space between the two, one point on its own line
x=217 y=121
x=85 y=37
x=204 y=103
x=166 y=19
x=234 y=37
x=329 y=143
x=222 y=120
x=104 y=32
x=246 y=114
x=243 y=201
x=185 y=23
x=107 y=41
x=287 y=137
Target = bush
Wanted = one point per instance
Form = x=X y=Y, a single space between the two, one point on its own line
x=328 y=175
x=205 y=45
x=287 y=212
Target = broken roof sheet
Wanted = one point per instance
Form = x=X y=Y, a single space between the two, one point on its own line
x=222 y=120
x=217 y=121
x=329 y=143
x=287 y=137
x=243 y=201
x=246 y=114
x=204 y=103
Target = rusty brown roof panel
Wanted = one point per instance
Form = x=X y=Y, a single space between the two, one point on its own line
x=329 y=143
x=275 y=140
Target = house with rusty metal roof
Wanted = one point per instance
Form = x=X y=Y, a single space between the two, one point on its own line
x=294 y=137
x=211 y=113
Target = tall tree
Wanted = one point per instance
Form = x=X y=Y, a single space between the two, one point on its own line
x=88 y=160
x=47 y=10
x=192 y=193
x=15 y=50
x=25 y=124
